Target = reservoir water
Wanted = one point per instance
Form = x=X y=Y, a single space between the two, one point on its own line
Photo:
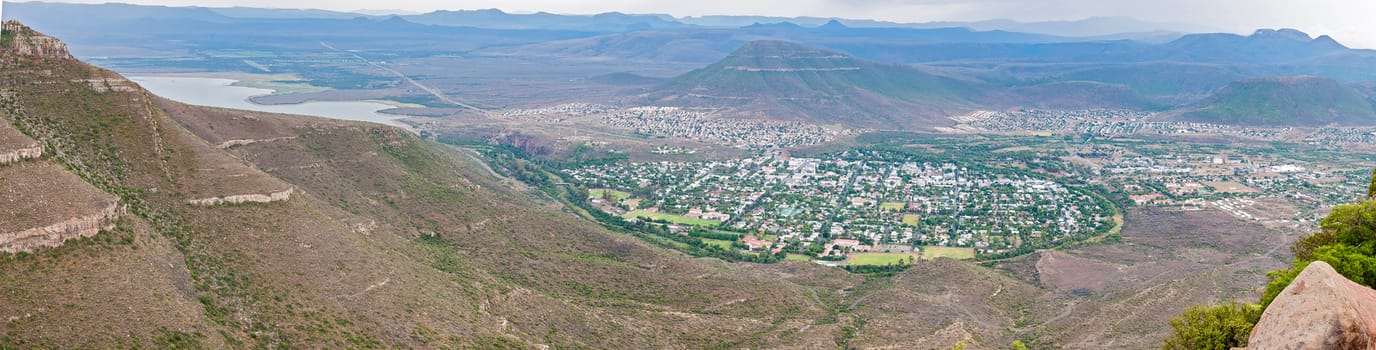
x=214 y=92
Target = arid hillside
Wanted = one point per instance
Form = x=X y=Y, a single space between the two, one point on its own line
x=214 y=228
x=246 y=230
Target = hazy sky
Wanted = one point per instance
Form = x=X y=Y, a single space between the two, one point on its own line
x=1352 y=22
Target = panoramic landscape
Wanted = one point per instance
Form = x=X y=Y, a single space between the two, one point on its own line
x=641 y=175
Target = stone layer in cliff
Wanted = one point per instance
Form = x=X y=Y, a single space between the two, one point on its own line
x=44 y=205
x=16 y=147
x=245 y=198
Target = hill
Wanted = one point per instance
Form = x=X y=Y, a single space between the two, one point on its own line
x=784 y=80
x=1285 y=101
x=1263 y=46
x=164 y=225
x=244 y=229
x=781 y=78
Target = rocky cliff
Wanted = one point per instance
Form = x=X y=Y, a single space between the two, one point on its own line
x=15 y=146
x=245 y=198
x=11 y=156
x=1319 y=310
x=27 y=42
x=55 y=234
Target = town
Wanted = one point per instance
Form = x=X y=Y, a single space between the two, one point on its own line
x=851 y=202
x=684 y=123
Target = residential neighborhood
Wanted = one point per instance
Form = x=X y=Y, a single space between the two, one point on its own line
x=852 y=201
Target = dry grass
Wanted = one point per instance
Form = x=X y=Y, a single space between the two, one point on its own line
x=958 y=253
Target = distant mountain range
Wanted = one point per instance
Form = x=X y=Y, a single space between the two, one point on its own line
x=800 y=82
x=908 y=74
x=783 y=78
x=1122 y=27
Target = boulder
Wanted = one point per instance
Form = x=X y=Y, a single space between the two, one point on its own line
x=1321 y=309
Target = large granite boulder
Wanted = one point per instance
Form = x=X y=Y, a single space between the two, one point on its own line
x=1321 y=309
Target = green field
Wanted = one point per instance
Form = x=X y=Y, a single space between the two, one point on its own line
x=797 y=257
x=913 y=220
x=671 y=218
x=879 y=258
x=724 y=244
x=616 y=195
x=891 y=206
x=933 y=252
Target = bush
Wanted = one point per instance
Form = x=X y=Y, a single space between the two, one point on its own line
x=1213 y=327
x=1346 y=240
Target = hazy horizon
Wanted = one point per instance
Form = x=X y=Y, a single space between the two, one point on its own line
x=1343 y=20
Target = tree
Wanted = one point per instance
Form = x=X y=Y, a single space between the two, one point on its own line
x=1213 y=327
x=1371 y=188
x=1346 y=240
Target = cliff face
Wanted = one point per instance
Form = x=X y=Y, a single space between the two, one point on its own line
x=15 y=146
x=32 y=185
x=1321 y=309
x=27 y=42
x=15 y=155
x=55 y=234
x=245 y=198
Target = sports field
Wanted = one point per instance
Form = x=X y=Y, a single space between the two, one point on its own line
x=933 y=252
x=880 y=258
x=677 y=219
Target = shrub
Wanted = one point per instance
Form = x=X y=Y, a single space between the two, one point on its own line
x=1213 y=327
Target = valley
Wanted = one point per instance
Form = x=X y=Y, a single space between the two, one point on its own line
x=479 y=179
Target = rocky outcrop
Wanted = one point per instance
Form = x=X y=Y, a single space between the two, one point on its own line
x=27 y=42
x=108 y=84
x=55 y=234
x=245 y=198
x=1321 y=309
x=34 y=151
x=245 y=142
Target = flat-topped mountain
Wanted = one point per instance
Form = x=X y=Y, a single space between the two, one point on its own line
x=1263 y=46
x=1286 y=101
x=783 y=78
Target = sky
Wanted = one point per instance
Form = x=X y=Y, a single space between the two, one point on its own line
x=1349 y=21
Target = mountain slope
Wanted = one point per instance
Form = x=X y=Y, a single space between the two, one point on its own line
x=782 y=78
x=385 y=241
x=1286 y=101
x=1263 y=46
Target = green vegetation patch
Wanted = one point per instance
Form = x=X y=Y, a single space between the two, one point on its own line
x=892 y=206
x=912 y=220
x=6 y=37
x=606 y=193
x=723 y=244
x=1213 y=327
x=797 y=257
x=933 y=252
x=671 y=218
x=883 y=258
x=281 y=86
